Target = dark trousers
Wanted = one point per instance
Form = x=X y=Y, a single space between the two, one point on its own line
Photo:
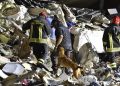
x=110 y=56
x=77 y=57
x=40 y=50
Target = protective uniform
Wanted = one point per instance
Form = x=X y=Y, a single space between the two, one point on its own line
x=111 y=39
x=39 y=32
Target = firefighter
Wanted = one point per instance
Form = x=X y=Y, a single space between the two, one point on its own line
x=111 y=40
x=39 y=32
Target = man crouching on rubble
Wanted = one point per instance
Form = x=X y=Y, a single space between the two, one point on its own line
x=111 y=40
x=39 y=32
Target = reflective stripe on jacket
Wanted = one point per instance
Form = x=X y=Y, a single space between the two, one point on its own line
x=36 y=32
x=112 y=48
x=111 y=40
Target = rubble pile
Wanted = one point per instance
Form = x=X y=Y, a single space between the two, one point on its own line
x=18 y=64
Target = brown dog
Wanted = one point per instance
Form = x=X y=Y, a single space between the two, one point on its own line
x=67 y=62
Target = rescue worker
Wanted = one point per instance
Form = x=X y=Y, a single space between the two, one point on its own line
x=63 y=39
x=39 y=32
x=111 y=40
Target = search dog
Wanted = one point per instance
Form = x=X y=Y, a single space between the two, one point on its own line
x=64 y=61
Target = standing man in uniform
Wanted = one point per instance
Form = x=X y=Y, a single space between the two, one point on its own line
x=39 y=32
x=111 y=40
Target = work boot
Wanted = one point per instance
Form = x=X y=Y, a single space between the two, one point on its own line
x=54 y=73
x=41 y=61
x=41 y=64
x=54 y=70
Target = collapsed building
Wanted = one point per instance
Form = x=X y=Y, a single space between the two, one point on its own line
x=16 y=57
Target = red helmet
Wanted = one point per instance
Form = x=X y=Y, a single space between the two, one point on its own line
x=116 y=20
x=43 y=14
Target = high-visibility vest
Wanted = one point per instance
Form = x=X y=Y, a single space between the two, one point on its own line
x=36 y=32
x=111 y=44
x=112 y=48
x=111 y=39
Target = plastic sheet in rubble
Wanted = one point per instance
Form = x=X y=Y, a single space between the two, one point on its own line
x=13 y=68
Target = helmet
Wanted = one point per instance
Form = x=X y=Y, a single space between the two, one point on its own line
x=43 y=14
x=116 y=20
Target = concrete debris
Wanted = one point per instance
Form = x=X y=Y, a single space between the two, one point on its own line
x=18 y=64
x=5 y=49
